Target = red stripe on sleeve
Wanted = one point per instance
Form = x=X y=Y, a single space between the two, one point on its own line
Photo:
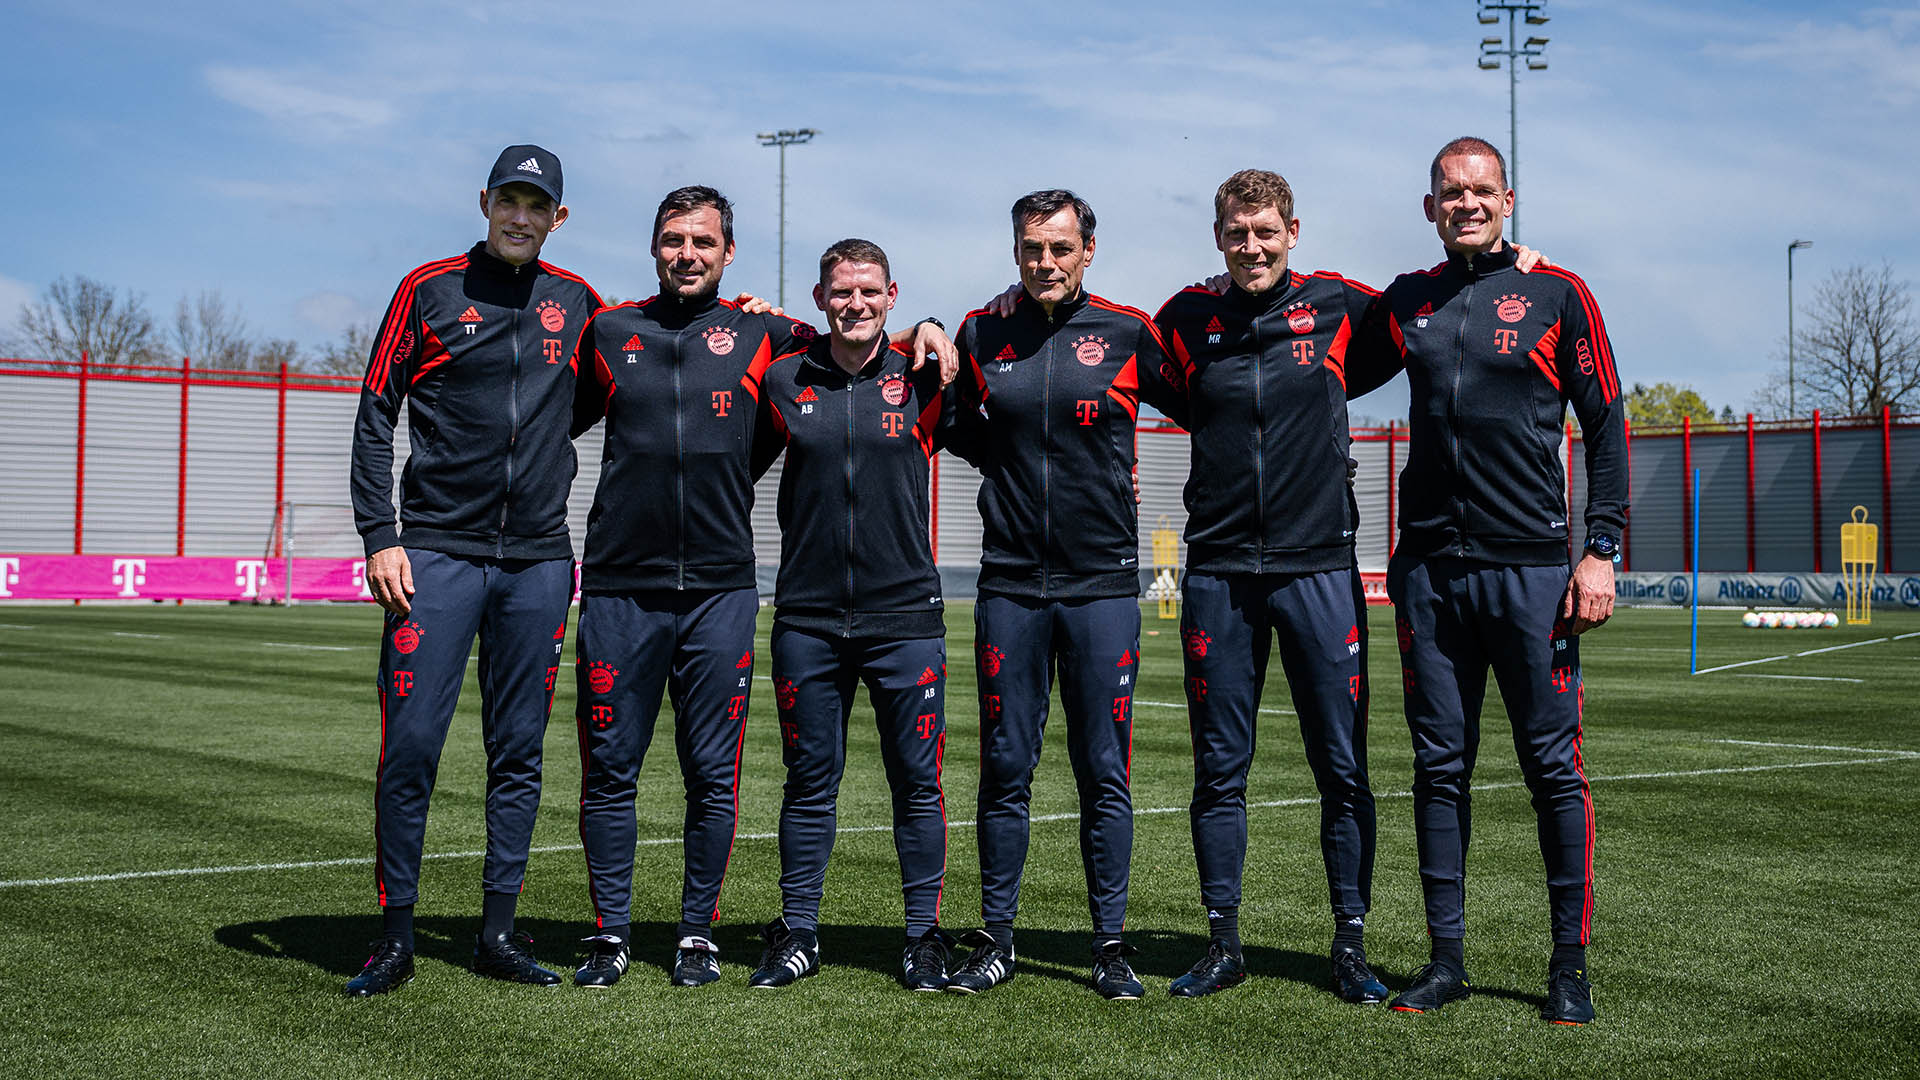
x=1336 y=360
x=1125 y=390
x=758 y=369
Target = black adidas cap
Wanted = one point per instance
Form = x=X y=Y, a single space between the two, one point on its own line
x=527 y=164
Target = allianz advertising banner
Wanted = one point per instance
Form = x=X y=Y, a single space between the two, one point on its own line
x=1778 y=590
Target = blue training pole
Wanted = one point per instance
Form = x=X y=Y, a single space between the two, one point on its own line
x=1693 y=663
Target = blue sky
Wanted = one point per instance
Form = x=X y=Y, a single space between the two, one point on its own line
x=301 y=157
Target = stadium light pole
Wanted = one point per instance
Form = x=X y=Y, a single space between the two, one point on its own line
x=784 y=138
x=1533 y=50
x=1791 y=248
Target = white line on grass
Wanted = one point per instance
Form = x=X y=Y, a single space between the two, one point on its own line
x=1837 y=648
x=1808 y=678
x=14 y=626
x=1818 y=746
x=1903 y=637
x=1182 y=705
x=317 y=648
x=129 y=633
x=1743 y=663
x=659 y=841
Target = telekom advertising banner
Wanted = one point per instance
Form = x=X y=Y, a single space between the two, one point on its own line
x=154 y=577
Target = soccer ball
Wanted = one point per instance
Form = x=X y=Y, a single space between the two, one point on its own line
x=1750 y=619
x=1832 y=619
x=1770 y=620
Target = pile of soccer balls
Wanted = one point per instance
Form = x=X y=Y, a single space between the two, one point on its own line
x=1789 y=620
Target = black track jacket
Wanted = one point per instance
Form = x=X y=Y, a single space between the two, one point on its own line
x=1263 y=385
x=1493 y=357
x=1047 y=409
x=856 y=556
x=679 y=384
x=484 y=353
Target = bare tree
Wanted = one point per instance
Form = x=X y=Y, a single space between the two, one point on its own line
x=1860 y=350
x=348 y=355
x=211 y=332
x=78 y=314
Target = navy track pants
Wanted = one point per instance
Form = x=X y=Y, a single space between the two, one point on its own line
x=698 y=648
x=1228 y=624
x=1094 y=645
x=519 y=610
x=1455 y=619
x=814 y=680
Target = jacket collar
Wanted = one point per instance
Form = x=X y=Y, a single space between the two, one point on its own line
x=1483 y=264
x=481 y=261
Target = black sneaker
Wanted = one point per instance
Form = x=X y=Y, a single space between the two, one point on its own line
x=1112 y=975
x=696 y=962
x=607 y=959
x=1569 y=997
x=785 y=961
x=1354 y=981
x=1216 y=971
x=388 y=969
x=1433 y=986
x=923 y=966
x=505 y=957
x=986 y=967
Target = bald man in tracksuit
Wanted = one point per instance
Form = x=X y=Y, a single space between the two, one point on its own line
x=857 y=601
x=482 y=348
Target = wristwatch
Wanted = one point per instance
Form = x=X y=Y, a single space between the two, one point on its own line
x=1604 y=546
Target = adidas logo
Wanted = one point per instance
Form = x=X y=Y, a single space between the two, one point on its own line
x=1126 y=659
x=470 y=315
x=746 y=660
x=1213 y=325
x=1007 y=353
x=1425 y=309
x=1353 y=636
x=927 y=678
x=806 y=396
x=633 y=345
x=531 y=166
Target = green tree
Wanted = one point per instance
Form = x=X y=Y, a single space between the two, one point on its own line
x=1668 y=403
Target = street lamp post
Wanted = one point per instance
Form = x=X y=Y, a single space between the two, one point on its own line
x=782 y=139
x=1533 y=50
x=1791 y=248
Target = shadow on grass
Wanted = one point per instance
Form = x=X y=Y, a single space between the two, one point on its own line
x=338 y=945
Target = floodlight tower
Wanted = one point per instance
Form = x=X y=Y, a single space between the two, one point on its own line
x=783 y=138
x=1791 y=248
x=1533 y=50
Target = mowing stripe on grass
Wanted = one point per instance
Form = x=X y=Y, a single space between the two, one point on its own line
x=659 y=841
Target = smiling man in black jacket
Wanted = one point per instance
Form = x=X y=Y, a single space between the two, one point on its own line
x=482 y=348
x=1480 y=577
x=858 y=601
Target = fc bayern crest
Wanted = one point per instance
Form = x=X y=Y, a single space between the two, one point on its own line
x=1513 y=307
x=1090 y=350
x=719 y=340
x=894 y=389
x=600 y=677
x=553 y=317
x=1300 y=319
x=406 y=638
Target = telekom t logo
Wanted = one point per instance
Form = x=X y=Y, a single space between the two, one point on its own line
x=551 y=348
x=1506 y=338
x=360 y=579
x=249 y=574
x=9 y=576
x=892 y=422
x=1087 y=411
x=1303 y=351
x=129 y=574
x=722 y=401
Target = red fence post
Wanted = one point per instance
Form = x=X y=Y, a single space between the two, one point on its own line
x=1393 y=481
x=180 y=497
x=1749 y=493
x=1886 y=488
x=80 y=461
x=1686 y=493
x=280 y=454
x=1817 y=567
x=1626 y=529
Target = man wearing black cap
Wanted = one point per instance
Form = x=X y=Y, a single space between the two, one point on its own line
x=482 y=345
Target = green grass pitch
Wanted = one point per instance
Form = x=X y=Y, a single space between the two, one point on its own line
x=1758 y=879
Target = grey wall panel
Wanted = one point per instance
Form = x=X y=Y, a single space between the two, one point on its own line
x=133 y=459
x=1659 y=467
x=1577 y=495
x=1782 y=501
x=587 y=450
x=1722 y=461
x=958 y=513
x=37 y=452
x=766 y=519
x=1164 y=456
x=1371 y=483
x=231 y=434
x=1903 y=517
x=1850 y=475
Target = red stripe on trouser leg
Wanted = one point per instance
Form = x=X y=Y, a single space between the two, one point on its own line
x=379 y=774
x=1586 y=799
x=940 y=785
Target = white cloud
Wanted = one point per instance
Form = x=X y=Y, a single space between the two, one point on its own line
x=14 y=295
x=304 y=111
x=331 y=312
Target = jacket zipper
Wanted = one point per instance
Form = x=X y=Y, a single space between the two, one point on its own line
x=513 y=430
x=848 y=629
x=1046 y=461
x=1259 y=453
x=679 y=463
x=1453 y=412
